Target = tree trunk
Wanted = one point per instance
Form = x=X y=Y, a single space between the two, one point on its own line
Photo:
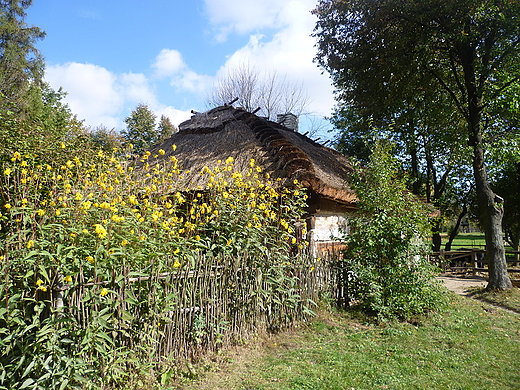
x=455 y=230
x=436 y=235
x=490 y=205
x=491 y=212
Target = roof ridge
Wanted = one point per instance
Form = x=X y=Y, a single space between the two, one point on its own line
x=291 y=157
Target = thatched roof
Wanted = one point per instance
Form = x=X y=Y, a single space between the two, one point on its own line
x=283 y=153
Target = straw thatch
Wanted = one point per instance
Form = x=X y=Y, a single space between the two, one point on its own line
x=283 y=153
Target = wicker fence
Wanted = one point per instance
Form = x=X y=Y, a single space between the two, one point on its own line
x=212 y=304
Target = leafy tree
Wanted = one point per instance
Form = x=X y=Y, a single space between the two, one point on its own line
x=47 y=129
x=253 y=89
x=386 y=256
x=33 y=118
x=423 y=146
x=505 y=179
x=387 y=51
x=165 y=128
x=140 y=128
x=21 y=65
x=105 y=139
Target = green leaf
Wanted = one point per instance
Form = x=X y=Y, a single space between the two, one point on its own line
x=28 y=382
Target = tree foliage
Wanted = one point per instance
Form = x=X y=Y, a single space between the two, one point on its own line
x=105 y=139
x=165 y=128
x=47 y=128
x=142 y=131
x=140 y=128
x=21 y=64
x=505 y=178
x=462 y=56
x=387 y=246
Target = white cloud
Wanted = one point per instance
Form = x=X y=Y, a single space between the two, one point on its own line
x=176 y=116
x=244 y=16
x=99 y=96
x=289 y=52
x=192 y=82
x=135 y=88
x=168 y=63
x=91 y=92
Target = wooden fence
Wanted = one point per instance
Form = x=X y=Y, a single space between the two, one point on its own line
x=471 y=259
x=212 y=304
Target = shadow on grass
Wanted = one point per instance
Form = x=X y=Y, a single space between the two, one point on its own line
x=497 y=298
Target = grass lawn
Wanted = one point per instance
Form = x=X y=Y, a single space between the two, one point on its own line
x=466 y=240
x=467 y=345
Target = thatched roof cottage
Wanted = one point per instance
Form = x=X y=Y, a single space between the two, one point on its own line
x=282 y=152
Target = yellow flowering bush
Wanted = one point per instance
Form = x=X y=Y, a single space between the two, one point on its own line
x=76 y=232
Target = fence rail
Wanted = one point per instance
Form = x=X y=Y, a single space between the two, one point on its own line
x=218 y=302
x=472 y=259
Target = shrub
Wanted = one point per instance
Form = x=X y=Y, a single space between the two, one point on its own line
x=74 y=233
x=386 y=257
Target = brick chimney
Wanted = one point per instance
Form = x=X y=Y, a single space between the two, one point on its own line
x=288 y=120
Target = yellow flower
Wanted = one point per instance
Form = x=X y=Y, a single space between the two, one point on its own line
x=7 y=206
x=161 y=152
x=124 y=243
x=62 y=145
x=197 y=237
x=293 y=240
x=40 y=212
x=176 y=264
x=230 y=160
x=39 y=282
x=68 y=279
x=7 y=171
x=90 y=259
x=176 y=251
x=78 y=196
x=16 y=156
x=30 y=244
x=100 y=230
x=57 y=212
x=104 y=292
x=174 y=147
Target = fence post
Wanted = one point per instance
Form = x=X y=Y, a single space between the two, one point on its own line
x=474 y=258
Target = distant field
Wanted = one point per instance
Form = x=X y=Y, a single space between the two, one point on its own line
x=466 y=240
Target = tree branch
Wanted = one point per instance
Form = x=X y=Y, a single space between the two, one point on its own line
x=461 y=108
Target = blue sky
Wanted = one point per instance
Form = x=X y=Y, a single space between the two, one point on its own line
x=111 y=55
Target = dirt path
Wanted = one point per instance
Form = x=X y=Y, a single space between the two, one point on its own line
x=461 y=285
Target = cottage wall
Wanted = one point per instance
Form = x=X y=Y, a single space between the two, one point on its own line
x=324 y=231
